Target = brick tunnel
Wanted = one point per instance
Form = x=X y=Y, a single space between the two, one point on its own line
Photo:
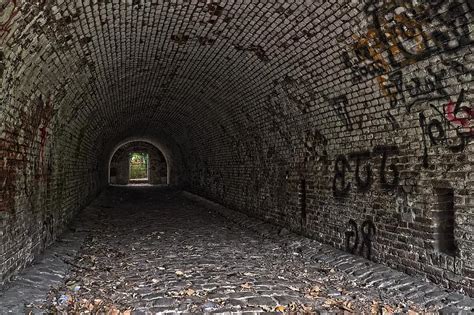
x=290 y=141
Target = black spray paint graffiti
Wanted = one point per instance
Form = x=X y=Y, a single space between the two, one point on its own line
x=393 y=87
x=462 y=117
x=360 y=69
x=340 y=105
x=410 y=31
x=431 y=87
x=416 y=90
x=339 y=186
x=448 y=122
x=392 y=120
x=363 y=172
x=361 y=158
x=387 y=151
x=403 y=32
x=352 y=240
x=465 y=74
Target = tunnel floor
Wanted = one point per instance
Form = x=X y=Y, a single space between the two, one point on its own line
x=153 y=249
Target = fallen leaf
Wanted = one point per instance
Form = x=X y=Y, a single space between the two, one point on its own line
x=246 y=285
x=346 y=305
x=189 y=292
x=293 y=306
x=114 y=311
x=329 y=302
x=387 y=309
x=97 y=301
x=280 y=308
x=314 y=291
x=374 y=310
x=307 y=309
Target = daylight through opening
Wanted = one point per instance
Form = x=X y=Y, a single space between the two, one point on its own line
x=138 y=162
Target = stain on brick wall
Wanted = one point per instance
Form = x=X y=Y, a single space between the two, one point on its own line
x=348 y=121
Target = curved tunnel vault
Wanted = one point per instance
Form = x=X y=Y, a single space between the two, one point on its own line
x=342 y=120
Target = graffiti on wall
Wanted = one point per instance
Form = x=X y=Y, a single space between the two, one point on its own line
x=340 y=105
x=451 y=126
x=460 y=115
x=359 y=164
x=9 y=9
x=33 y=125
x=405 y=32
x=402 y=32
x=359 y=240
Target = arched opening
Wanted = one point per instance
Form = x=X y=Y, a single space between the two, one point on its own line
x=138 y=162
x=138 y=167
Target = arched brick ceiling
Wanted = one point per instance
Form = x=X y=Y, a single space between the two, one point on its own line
x=198 y=71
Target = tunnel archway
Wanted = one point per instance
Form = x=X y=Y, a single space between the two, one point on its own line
x=310 y=114
x=176 y=168
x=157 y=169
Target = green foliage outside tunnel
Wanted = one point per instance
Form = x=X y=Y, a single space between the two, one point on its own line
x=138 y=166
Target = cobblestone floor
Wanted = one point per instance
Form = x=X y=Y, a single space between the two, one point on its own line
x=159 y=250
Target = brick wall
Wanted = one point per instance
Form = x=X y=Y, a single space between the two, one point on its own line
x=349 y=121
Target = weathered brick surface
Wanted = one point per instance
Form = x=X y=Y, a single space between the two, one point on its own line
x=349 y=121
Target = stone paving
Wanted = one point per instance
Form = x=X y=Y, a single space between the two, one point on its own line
x=158 y=250
x=30 y=287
